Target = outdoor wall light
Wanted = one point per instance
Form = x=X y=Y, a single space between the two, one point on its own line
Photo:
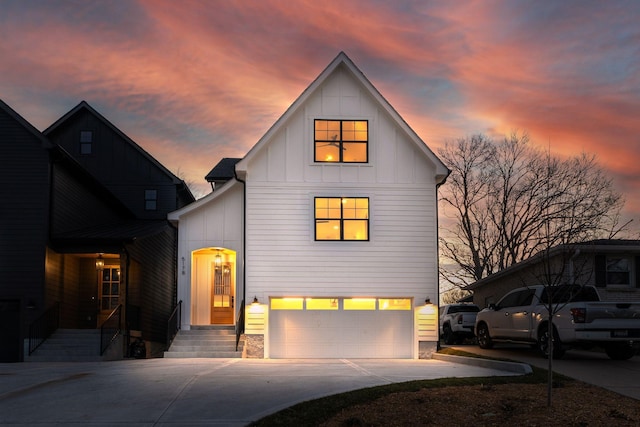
x=427 y=301
x=255 y=300
x=218 y=260
x=99 y=263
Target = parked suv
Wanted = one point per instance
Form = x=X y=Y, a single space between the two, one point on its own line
x=457 y=322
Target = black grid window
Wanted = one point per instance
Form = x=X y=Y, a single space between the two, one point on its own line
x=341 y=141
x=341 y=218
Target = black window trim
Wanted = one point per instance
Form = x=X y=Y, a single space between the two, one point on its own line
x=342 y=220
x=340 y=142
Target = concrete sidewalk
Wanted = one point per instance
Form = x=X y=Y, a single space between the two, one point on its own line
x=194 y=392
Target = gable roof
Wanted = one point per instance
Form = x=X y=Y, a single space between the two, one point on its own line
x=24 y=123
x=83 y=105
x=224 y=170
x=209 y=198
x=342 y=60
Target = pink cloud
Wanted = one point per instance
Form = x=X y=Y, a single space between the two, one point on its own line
x=207 y=79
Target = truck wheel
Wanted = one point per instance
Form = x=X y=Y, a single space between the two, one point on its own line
x=484 y=339
x=622 y=351
x=543 y=343
x=448 y=334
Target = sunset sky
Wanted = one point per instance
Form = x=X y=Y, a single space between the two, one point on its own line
x=195 y=81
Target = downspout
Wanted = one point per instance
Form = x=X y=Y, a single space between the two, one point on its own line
x=127 y=331
x=438 y=185
x=174 y=301
x=244 y=235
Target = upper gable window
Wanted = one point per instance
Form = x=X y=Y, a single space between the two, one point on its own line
x=86 y=141
x=342 y=218
x=341 y=141
x=150 y=200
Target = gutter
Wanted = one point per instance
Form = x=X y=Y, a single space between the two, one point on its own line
x=438 y=185
x=244 y=234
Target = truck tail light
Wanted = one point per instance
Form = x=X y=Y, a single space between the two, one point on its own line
x=579 y=315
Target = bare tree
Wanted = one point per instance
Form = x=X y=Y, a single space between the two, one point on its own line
x=453 y=295
x=507 y=201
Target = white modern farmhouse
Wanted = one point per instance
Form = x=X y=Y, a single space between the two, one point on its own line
x=322 y=241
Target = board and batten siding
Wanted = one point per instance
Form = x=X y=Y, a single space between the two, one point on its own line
x=283 y=258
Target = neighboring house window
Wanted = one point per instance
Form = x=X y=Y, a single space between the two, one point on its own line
x=613 y=270
x=342 y=218
x=86 y=141
x=150 y=200
x=341 y=141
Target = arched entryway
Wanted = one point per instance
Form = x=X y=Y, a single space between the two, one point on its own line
x=213 y=286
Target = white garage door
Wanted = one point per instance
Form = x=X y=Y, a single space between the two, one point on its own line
x=374 y=332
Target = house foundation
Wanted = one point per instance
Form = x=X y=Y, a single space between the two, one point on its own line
x=254 y=347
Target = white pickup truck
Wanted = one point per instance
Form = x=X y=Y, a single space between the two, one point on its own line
x=457 y=322
x=580 y=320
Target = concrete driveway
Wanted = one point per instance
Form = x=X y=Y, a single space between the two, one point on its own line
x=194 y=392
x=593 y=367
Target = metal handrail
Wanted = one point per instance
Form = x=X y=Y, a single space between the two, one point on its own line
x=174 y=324
x=43 y=327
x=110 y=329
x=240 y=324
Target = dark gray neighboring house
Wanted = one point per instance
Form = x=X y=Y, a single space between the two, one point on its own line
x=86 y=233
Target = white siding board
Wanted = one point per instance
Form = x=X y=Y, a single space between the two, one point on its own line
x=276 y=155
x=313 y=107
x=367 y=174
x=283 y=262
x=349 y=174
x=385 y=150
x=330 y=105
x=296 y=156
x=350 y=106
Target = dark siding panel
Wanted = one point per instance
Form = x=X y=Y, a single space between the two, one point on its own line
x=155 y=286
x=24 y=174
x=9 y=331
x=74 y=206
x=63 y=286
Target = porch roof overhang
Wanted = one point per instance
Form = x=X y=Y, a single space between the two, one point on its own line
x=106 y=237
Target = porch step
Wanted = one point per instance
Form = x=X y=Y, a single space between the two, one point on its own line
x=68 y=345
x=206 y=342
